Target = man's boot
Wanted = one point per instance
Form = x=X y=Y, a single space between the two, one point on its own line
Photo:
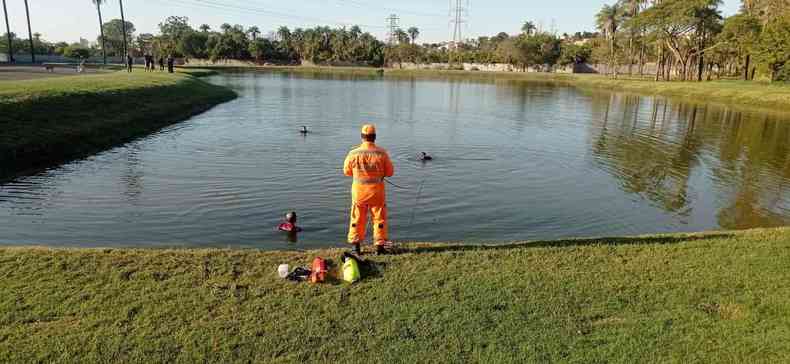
x=384 y=248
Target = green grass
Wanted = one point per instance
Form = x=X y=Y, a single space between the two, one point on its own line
x=48 y=121
x=706 y=298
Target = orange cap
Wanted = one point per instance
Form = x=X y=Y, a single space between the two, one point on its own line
x=369 y=129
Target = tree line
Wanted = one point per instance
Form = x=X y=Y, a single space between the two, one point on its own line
x=677 y=39
x=691 y=40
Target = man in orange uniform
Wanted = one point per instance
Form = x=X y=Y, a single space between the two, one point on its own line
x=369 y=165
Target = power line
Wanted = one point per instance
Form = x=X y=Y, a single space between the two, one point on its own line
x=390 y=9
x=237 y=9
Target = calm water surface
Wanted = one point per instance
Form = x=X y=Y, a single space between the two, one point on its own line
x=513 y=161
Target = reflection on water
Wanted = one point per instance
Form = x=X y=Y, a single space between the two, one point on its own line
x=512 y=161
x=661 y=152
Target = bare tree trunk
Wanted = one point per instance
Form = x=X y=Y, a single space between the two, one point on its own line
x=746 y=67
x=631 y=54
x=30 y=34
x=642 y=59
x=101 y=31
x=659 y=62
x=8 y=34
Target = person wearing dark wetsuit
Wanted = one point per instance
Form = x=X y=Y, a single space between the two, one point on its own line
x=129 y=62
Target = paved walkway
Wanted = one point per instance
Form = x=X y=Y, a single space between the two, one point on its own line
x=29 y=72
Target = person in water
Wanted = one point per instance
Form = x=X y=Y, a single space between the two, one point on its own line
x=425 y=157
x=304 y=130
x=368 y=165
x=289 y=225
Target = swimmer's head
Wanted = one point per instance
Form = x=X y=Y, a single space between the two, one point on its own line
x=291 y=217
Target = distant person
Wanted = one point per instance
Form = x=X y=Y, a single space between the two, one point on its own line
x=170 y=63
x=129 y=62
x=162 y=63
x=368 y=165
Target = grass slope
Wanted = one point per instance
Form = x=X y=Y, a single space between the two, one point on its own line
x=719 y=297
x=48 y=121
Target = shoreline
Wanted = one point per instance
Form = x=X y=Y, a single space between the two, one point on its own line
x=43 y=117
x=752 y=94
x=671 y=297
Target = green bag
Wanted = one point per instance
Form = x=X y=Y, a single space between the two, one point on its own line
x=351 y=272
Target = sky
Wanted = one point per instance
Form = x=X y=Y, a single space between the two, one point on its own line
x=70 y=20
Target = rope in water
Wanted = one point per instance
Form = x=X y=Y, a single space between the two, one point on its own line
x=396 y=186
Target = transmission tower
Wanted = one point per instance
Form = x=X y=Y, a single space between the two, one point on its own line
x=459 y=11
x=392 y=25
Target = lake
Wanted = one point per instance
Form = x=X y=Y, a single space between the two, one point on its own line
x=513 y=161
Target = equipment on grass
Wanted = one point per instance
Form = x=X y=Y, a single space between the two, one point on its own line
x=319 y=270
x=351 y=273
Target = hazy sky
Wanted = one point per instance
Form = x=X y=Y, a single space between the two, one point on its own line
x=68 y=20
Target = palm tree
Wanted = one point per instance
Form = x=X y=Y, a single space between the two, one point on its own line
x=8 y=34
x=528 y=28
x=632 y=8
x=123 y=28
x=254 y=31
x=98 y=4
x=205 y=28
x=608 y=22
x=30 y=34
x=413 y=33
x=401 y=36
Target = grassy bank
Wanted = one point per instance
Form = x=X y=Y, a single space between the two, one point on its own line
x=726 y=91
x=719 y=297
x=751 y=94
x=48 y=121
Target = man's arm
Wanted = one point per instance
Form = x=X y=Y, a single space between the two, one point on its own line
x=347 y=167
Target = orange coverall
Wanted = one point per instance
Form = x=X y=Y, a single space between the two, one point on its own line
x=368 y=164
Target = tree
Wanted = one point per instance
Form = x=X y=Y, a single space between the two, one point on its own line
x=684 y=27
x=76 y=52
x=9 y=36
x=413 y=34
x=193 y=44
x=402 y=37
x=173 y=29
x=124 y=31
x=98 y=4
x=741 y=34
x=114 y=37
x=254 y=31
x=574 y=54
x=30 y=34
x=608 y=22
x=205 y=28
x=528 y=28
x=774 y=48
x=766 y=10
